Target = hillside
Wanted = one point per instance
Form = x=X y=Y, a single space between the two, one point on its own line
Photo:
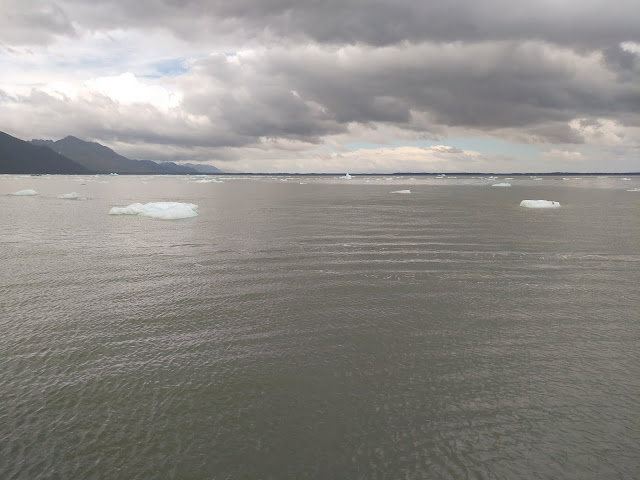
x=101 y=159
x=18 y=156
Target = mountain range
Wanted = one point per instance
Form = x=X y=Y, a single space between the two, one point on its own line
x=71 y=155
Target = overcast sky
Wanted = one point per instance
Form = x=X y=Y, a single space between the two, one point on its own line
x=331 y=85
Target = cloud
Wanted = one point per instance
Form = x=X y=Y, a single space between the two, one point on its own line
x=127 y=89
x=277 y=80
x=36 y=22
x=376 y=22
x=563 y=156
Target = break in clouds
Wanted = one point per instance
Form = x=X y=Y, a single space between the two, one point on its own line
x=265 y=85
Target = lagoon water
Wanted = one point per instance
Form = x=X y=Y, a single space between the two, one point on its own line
x=327 y=330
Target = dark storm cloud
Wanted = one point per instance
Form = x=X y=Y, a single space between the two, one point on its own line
x=376 y=22
x=306 y=93
x=30 y=23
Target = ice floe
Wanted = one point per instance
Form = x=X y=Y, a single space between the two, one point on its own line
x=539 y=204
x=25 y=193
x=162 y=210
x=634 y=190
x=501 y=185
x=401 y=191
x=206 y=180
x=70 y=196
x=346 y=176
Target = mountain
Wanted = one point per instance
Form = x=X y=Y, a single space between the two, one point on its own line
x=18 y=156
x=101 y=159
x=209 y=169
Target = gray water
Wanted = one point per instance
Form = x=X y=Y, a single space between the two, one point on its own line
x=330 y=330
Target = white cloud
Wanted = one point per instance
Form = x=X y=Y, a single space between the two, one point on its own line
x=606 y=131
x=563 y=156
x=126 y=89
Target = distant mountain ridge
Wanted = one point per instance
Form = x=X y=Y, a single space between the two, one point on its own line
x=101 y=159
x=20 y=157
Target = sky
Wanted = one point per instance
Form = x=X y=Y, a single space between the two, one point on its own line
x=331 y=85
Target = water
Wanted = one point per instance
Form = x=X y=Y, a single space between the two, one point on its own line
x=325 y=330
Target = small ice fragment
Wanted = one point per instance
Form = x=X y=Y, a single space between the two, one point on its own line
x=634 y=190
x=501 y=185
x=162 y=210
x=70 y=196
x=539 y=204
x=206 y=180
x=625 y=179
x=401 y=191
x=25 y=193
x=113 y=174
x=346 y=176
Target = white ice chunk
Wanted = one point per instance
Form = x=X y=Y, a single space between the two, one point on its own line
x=206 y=180
x=162 y=210
x=346 y=176
x=401 y=191
x=501 y=185
x=25 y=192
x=539 y=204
x=625 y=179
x=70 y=196
x=634 y=190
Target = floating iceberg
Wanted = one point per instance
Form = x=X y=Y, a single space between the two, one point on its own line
x=206 y=180
x=346 y=176
x=501 y=185
x=25 y=193
x=162 y=210
x=401 y=191
x=70 y=196
x=625 y=179
x=539 y=204
x=634 y=190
